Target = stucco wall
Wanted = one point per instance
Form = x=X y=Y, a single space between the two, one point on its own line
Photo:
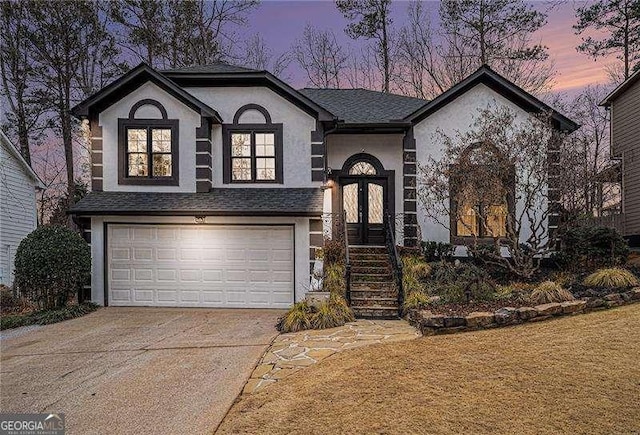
x=457 y=116
x=189 y=120
x=385 y=147
x=301 y=245
x=297 y=128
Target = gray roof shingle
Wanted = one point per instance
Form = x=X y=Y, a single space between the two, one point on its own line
x=220 y=202
x=213 y=68
x=364 y=106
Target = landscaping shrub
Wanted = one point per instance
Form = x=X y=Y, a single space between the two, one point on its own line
x=415 y=300
x=51 y=264
x=332 y=313
x=333 y=251
x=461 y=282
x=297 y=318
x=46 y=317
x=328 y=314
x=611 y=278
x=437 y=251
x=414 y=271
x=591 y=246
x=334 y=281
x=548 y=292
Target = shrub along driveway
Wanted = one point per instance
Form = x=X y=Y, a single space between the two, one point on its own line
x=572 y=375
x=136 y=370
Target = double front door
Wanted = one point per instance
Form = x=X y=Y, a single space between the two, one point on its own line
x=364 y=202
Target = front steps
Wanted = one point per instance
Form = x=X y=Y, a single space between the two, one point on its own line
x=373 y=290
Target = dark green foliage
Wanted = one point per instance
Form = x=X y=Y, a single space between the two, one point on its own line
x=51 y=264
x=617 y=26
x=333 y=252
x=461 y=282
x=46 y=317
x=591 y=247
x=434 y=251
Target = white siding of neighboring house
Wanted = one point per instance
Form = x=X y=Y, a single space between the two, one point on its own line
x=17 y=209
x=189 y=121
x=297 y=128
x=457 y=116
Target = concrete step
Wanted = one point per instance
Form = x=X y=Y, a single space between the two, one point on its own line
x=375 y=312
x=371 y=277
x=370 y=263
x=366 y=302
x=359 y=269
x=372 y=285
x=362 y=293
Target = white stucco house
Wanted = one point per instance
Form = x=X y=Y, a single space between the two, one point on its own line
x=212 y=186
x=18 y=214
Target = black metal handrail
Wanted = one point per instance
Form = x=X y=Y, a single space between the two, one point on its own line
x=347 y=263
x=396 y=263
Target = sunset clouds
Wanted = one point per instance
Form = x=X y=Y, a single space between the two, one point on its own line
x=281 y=22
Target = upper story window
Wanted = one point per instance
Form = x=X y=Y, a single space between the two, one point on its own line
x=148 y=147
x=482 y=195
x=252 y=147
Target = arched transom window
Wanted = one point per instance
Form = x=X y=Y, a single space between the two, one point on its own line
x=363 y=168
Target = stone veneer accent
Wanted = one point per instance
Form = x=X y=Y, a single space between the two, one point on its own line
x=317 y=154
x=204 y=159
x=95 y=132
x=409 y=183
x=429 y=323
x=316 y=240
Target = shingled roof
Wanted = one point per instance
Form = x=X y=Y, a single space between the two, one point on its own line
x=364 y=106
x=213 y=68
x=217 y=202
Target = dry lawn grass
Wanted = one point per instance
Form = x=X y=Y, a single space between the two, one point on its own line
x=572 y=375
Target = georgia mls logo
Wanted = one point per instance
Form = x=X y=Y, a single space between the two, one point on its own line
x=31 y=424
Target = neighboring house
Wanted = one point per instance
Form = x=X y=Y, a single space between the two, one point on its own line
x=623 y=104
x=214 y=185
x=18 y=215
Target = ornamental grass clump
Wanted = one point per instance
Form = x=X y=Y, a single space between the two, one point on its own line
x=297 y=318
x=548 y=292
x=414 y=271
x=332 y=313
x=614 y=277
x=328 y=314
x=334 y=281
x=415 y=301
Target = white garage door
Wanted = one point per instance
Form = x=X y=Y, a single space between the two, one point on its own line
x=200 y=266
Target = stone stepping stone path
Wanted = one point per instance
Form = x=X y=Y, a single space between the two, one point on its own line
x=294 y=351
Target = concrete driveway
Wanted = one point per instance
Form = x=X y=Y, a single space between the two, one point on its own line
x=136 y=370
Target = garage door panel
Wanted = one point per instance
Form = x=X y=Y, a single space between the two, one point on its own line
x=214 y=266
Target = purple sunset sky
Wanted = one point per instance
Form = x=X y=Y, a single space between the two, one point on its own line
x=281 y=22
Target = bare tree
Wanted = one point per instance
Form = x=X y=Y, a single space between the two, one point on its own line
x=320 y=55
x=178 y=33
x=72 y=53
x=19 y=90
x=493 y=181
x=618 y=23
x=371 y=19
x=497 y=33
x=256 y=54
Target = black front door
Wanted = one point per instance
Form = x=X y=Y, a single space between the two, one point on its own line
x=364 y=202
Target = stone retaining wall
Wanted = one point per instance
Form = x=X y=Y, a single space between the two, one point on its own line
x=429 y=323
